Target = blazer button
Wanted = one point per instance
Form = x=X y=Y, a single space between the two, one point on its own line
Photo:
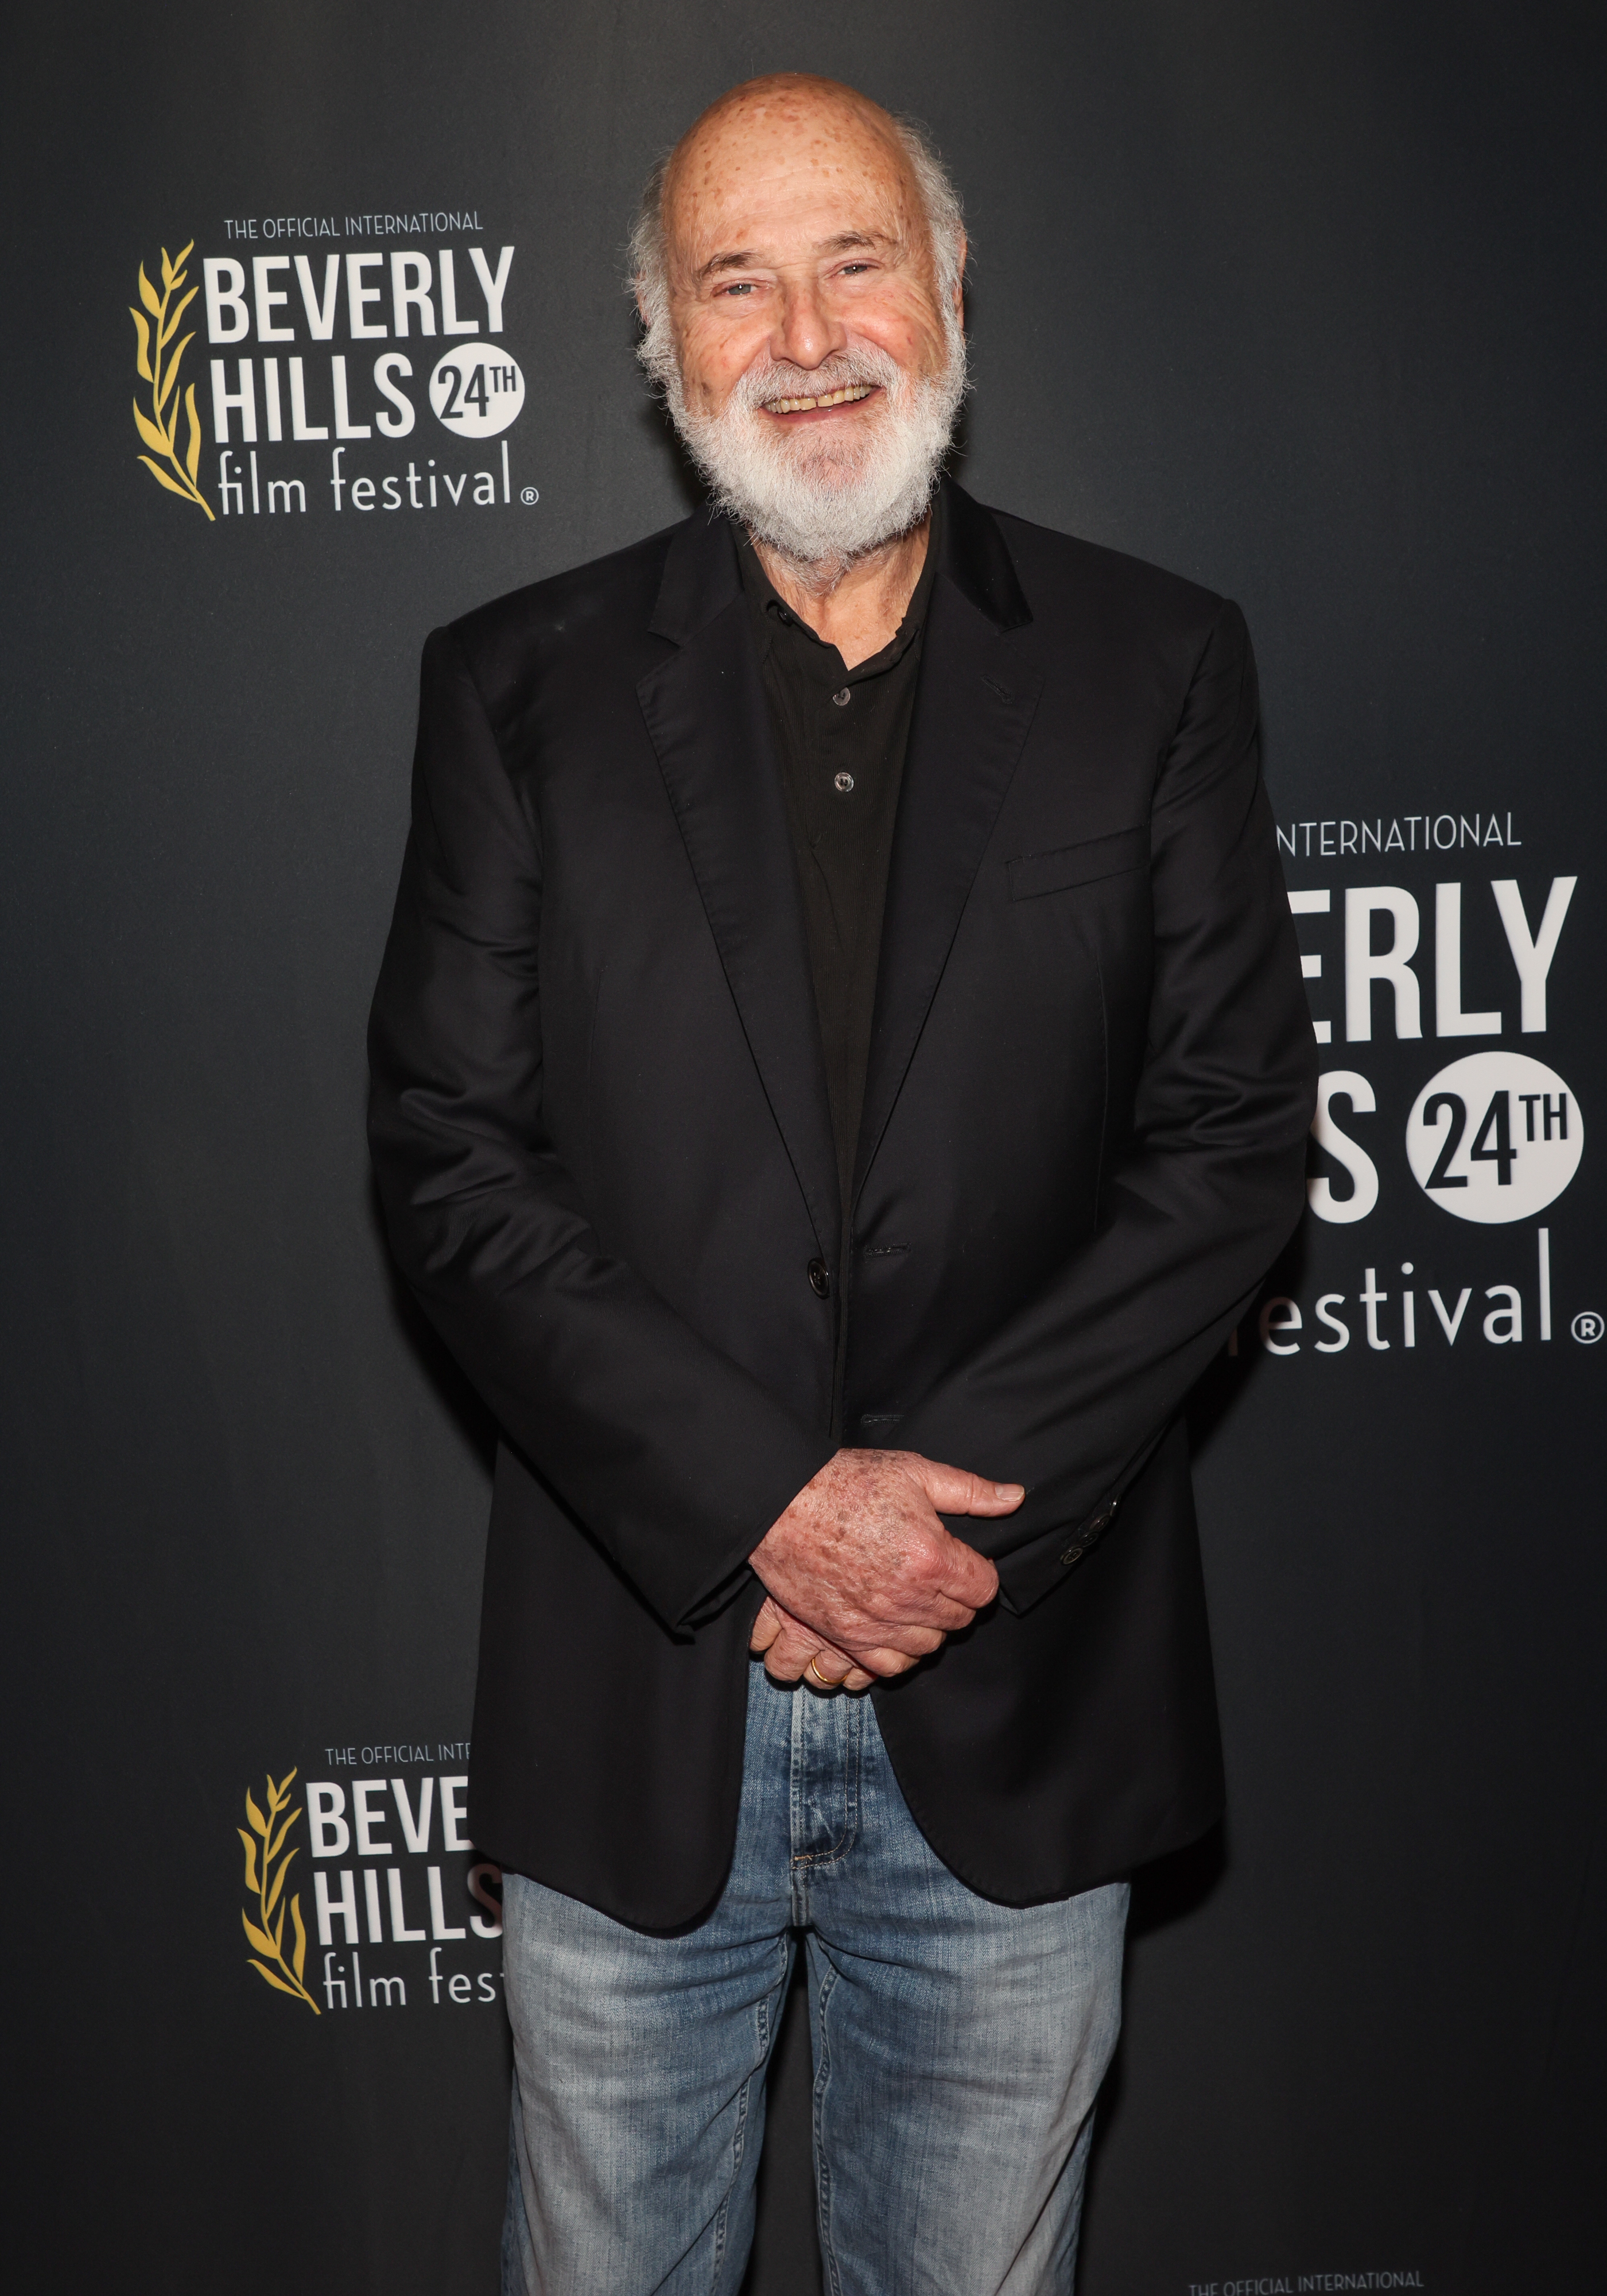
x=820 y=1279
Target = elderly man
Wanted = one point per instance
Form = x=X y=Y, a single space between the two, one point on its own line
x=840 y=1071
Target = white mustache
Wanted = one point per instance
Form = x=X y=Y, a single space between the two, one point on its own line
x=861 y=369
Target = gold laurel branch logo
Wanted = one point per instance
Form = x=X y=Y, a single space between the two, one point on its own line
x=158 y=365
x=265 y=1878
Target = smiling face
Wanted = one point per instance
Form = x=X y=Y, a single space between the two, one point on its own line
x=810 y=351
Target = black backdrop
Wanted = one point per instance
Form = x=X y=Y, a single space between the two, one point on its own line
x=1302 y=302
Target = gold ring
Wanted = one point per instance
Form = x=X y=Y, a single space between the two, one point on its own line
x=824 y=1681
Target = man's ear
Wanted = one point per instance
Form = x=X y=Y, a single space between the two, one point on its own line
x=960 y=283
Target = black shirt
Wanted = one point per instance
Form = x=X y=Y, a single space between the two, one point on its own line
x=841 y=736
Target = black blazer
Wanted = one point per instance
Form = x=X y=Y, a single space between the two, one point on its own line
x=599 y=1122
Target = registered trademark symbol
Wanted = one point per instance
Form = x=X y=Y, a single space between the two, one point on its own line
x=529 y=495
x=1588 y=1326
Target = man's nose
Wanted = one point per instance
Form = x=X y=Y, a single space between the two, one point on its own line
x=809 y=332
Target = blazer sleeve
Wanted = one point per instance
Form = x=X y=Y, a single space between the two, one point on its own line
x=673 y=1458
x=1072 y=1394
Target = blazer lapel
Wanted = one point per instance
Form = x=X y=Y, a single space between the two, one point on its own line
x=705 y=711
x=973 y=708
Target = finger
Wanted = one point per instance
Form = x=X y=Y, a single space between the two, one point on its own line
x=831 y=1670
x=828 y=1667
x=833 y=1658
x=883 y=1664
x=890 y=1637
x=955 y=1490
x=911 y=1642
x=790 y=1653
x=968 y=1578
x=944 y=1611
x=765 y=1626
x=944 y=1570
x=798 y=1654
x=914 y=1612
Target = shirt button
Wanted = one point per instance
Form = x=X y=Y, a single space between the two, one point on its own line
x=843 y=697
x=844 y=783
x=820 y=1279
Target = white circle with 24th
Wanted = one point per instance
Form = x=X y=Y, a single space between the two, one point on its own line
x=1496 y=1136
x=476 y=389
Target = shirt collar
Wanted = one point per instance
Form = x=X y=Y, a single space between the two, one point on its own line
x=821 y=660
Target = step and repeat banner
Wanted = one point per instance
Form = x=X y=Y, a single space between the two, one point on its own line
x=321 y=341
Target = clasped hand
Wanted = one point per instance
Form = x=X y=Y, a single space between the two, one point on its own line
x=862 y=1578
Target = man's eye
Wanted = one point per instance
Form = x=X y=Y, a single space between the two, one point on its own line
x=738 y=287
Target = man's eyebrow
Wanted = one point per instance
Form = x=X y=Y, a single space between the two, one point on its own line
x=741 y=258
x=746 y=258
x=847 y=239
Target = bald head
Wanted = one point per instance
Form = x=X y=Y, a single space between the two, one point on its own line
x=825 y=106
x=836 y=124
x=831 y=134
x=804 y=137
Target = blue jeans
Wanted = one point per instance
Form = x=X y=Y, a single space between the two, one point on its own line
x=958 y=2049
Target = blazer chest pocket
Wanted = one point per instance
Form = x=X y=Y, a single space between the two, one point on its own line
x=1084 y=864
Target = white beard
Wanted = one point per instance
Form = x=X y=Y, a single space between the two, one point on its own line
x=822 y=501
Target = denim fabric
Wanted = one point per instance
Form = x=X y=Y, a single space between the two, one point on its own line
x=958 y=2047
